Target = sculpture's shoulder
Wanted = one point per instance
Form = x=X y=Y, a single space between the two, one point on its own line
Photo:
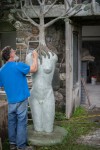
x=53 y=56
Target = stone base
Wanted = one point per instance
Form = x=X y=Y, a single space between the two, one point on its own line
x=46 y=139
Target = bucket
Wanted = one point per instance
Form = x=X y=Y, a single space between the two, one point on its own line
x=93 y=81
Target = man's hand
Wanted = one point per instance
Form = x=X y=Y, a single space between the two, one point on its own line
x=35 y=54
x=34 y=66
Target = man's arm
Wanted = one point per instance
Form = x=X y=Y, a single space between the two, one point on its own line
x=34 y=66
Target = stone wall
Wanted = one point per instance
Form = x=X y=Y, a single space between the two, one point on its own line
x=55 y=38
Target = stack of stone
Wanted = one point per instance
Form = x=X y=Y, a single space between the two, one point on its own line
x=59 y=83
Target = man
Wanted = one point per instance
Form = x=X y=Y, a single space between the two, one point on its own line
x=13 y=79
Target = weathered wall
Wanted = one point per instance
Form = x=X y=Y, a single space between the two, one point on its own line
x=3 y=119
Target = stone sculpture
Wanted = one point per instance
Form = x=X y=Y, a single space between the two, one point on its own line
x=42 y=101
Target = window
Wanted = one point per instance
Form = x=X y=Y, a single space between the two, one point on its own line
x=32 y=45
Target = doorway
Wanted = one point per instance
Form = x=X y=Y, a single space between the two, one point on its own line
x=90 y=65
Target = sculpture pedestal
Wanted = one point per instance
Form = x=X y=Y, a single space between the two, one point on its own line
x=46 y=139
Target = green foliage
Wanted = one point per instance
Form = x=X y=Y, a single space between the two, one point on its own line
x=80 y=111
x=5 y=145
x=60 y=116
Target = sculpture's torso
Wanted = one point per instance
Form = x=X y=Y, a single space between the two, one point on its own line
x=42 y=100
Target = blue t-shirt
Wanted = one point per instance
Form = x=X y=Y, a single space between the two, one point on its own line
x=13 y=79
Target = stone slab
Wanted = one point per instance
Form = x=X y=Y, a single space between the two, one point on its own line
x=92 y=139
x=46 y=139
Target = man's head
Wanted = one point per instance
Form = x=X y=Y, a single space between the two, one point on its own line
x=8 y=53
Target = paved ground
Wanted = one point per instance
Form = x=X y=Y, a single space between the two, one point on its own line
x=94 y=94
x=93 y=138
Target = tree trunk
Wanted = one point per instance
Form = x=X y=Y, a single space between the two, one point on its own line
x=42 y=28
x=42 y=36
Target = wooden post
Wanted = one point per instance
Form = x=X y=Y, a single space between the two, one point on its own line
x=68 y=69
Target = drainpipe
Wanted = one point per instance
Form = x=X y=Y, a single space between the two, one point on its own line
x=93 y=6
